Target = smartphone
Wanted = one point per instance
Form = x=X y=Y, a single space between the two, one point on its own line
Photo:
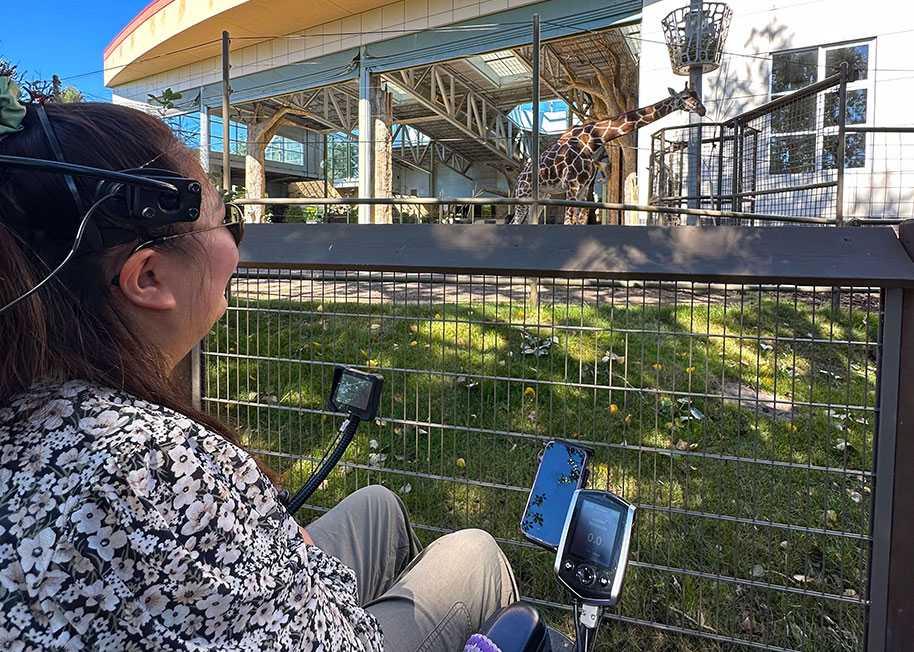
x=562 y=470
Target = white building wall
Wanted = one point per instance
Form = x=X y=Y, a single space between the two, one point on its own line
x=760 y=28
x=484 y=182
x=407 y=179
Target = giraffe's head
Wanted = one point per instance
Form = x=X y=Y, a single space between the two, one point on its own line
x=687 y=100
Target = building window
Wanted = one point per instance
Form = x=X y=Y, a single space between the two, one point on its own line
x=186 y=127
x=799 y=145
x=238 y=136
x=343 y=152
x=285 y=150
x=281 y=149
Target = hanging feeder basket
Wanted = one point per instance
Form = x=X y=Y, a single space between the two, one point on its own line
x=696 y=39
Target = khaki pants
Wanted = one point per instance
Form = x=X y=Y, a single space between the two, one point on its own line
x=428 y=601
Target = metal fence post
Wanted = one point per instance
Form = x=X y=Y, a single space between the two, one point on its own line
x=663 y=177
x=839 y=146
x=719 y=204
x=366 y=143
x=535 y=135
x=737 y=184
x=891 y=591
x=884 y=463
x=839 y=166
x=651 y=175
x=226 y=115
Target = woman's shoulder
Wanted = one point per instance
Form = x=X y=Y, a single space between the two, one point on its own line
x=89 y=407
x=105 y=439
x=102 y=419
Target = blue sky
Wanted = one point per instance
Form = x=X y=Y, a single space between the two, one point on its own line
x=66 y=37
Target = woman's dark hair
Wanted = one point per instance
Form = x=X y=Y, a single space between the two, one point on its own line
x=72 y=327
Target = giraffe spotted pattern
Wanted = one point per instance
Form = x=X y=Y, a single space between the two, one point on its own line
x=571 y=164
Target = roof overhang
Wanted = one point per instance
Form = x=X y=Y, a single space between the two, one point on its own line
x=172 y=33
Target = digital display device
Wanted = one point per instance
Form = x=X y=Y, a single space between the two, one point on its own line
x=562 y=470
x=356 y=393
x=593 y=550
x=596 y=531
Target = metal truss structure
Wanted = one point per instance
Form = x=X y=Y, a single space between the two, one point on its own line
x=415 y=149
x=466 y=109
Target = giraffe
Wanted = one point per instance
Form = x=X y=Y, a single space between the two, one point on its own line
x=570 y=165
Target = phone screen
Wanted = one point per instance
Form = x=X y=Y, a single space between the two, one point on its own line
x=560 y=473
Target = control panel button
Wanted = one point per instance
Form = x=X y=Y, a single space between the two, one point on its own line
x=585 y=574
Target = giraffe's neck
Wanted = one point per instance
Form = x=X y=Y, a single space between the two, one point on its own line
x=631 y=120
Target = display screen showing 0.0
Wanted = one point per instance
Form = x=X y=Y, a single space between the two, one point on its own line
x=595 y=533
x=353 y=391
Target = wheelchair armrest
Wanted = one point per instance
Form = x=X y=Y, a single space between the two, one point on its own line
x=516 y=628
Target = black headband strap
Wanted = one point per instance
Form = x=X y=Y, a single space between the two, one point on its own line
x=58 y=153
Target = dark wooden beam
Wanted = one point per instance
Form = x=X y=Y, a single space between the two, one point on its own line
x=865 y=257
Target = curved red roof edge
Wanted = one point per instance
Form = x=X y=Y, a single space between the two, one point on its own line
x=151 y=9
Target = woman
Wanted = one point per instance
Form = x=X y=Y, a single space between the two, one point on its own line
x=129 y=520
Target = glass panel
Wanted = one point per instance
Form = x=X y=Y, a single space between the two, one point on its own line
x=854 y=151
x=504 y=63
x=799 y=115
x=793 y=154
x=856 y=108
x=343 y=156
x=186 y=128
x=856 y=56
x=793 y=70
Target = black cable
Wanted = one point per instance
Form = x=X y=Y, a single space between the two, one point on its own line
x=80 y=232
x=580 y=635
x=45 y=165
x=326 y=466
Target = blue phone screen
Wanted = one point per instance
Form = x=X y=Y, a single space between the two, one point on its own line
x=560 y=473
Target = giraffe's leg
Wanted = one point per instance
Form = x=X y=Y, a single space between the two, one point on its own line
x=583 y=192
x=520 y=215
x=573 y=215
x=580 y=189
x=522 y=191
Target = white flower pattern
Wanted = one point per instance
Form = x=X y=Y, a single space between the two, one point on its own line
x=126 y=526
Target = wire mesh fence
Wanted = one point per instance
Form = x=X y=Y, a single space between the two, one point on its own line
x=879 y=179
x=785 y=158
x=740 y=419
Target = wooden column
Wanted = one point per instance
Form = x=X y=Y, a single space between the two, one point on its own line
x=382 y=119
x=261 y=129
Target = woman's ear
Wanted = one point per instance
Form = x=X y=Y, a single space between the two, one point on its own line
x=144 y=281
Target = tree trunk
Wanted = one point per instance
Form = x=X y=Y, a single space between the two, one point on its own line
x=255 y=177
x=261 y=129
x=382 y=114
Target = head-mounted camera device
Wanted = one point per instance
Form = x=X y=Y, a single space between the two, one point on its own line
x=125 y=204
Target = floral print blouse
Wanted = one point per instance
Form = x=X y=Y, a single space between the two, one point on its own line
x=127 y=526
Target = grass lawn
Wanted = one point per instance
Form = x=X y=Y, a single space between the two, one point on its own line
x=741 y=424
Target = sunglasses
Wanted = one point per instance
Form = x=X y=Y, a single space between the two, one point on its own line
x=233 y=221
